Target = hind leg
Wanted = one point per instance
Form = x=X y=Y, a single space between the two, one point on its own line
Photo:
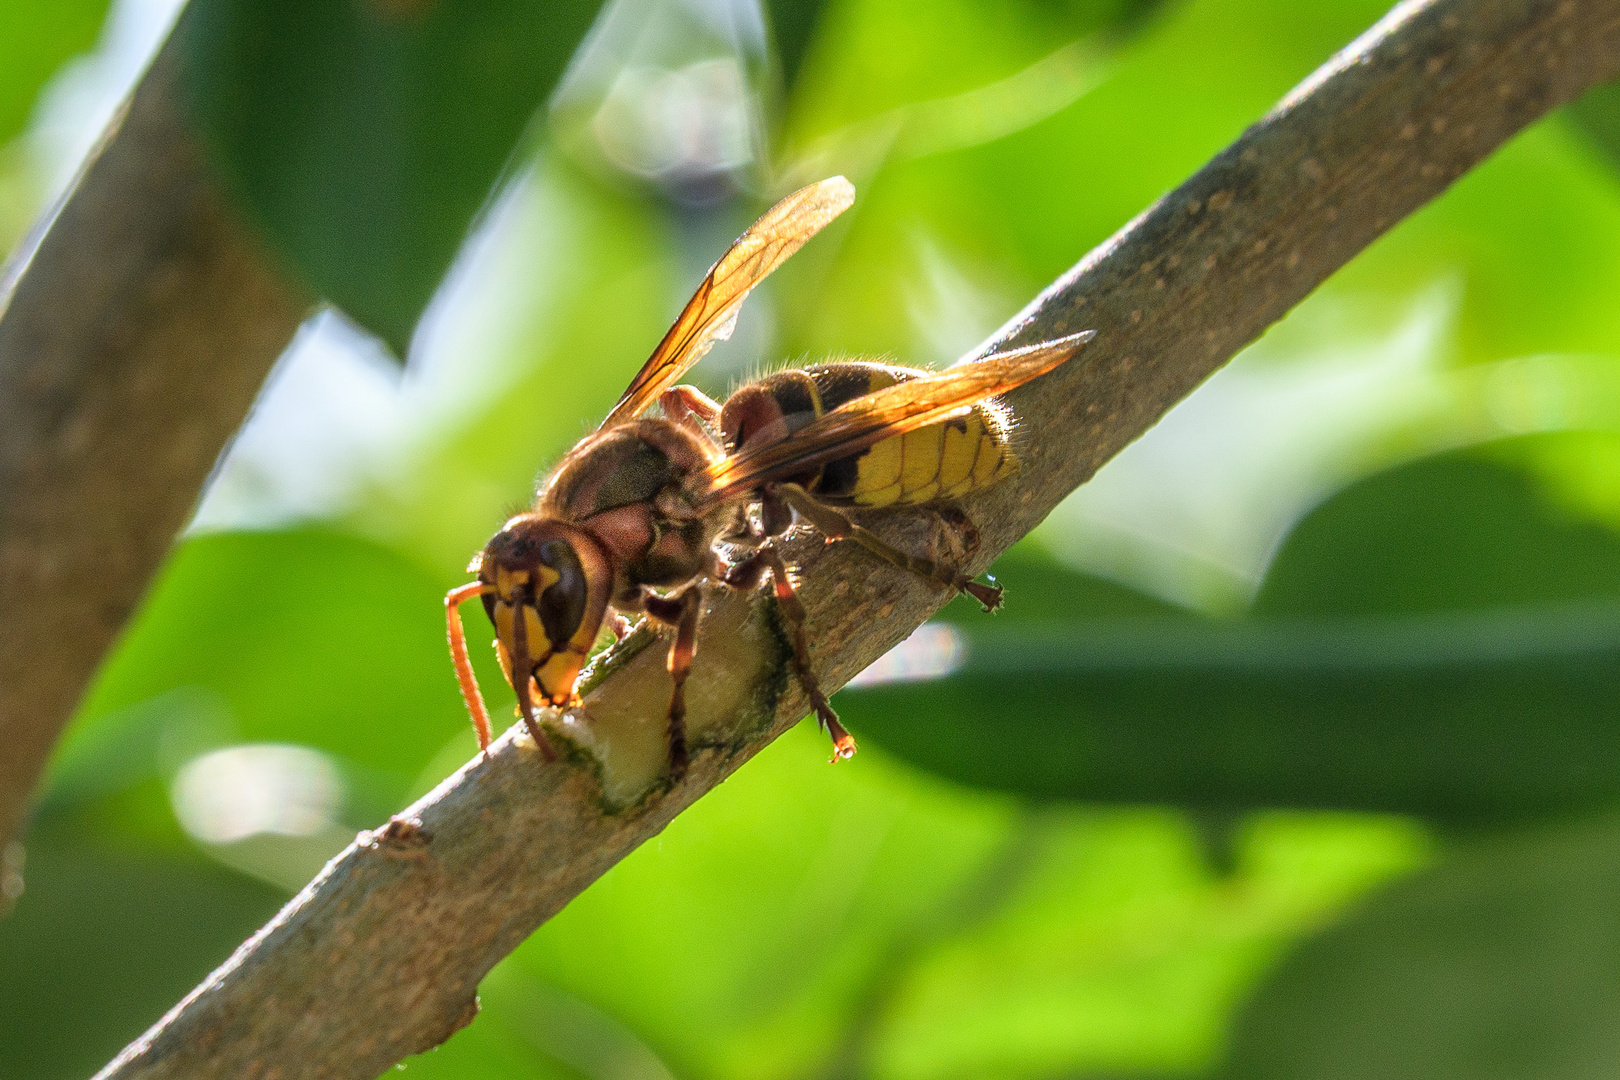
x=955 y=531
x=835 y=525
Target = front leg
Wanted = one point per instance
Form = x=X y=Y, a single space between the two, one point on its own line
x=463 y=663
x=620 y=625
x=682 y=611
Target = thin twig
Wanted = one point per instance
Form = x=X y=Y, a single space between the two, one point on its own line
x=381 y=956
x=134 y=334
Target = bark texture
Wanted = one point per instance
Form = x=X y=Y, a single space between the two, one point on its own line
x=135 y=329
x=381 y=956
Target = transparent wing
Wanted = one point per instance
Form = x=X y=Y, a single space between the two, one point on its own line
x=712 y=312
x=883 y=414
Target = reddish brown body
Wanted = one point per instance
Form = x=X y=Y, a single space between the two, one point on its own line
x=630 y=518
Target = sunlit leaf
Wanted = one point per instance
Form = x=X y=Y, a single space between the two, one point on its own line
x=309 y=637
x=36 y=36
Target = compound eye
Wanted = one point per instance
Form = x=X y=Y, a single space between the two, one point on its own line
x=562 y=603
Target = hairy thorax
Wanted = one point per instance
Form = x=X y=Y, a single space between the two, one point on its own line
x=629 y=487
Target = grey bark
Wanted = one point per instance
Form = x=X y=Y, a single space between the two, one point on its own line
x=381 y=956
x=135 y=329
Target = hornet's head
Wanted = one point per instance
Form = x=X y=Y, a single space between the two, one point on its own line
x=545 y=587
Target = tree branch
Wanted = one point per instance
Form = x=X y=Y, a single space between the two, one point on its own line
x=381 y=956
x=134 y=334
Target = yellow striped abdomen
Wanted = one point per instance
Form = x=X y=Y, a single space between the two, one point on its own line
x=937 y=463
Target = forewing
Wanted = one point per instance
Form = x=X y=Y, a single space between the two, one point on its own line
x=882 y=414
x=712 y=312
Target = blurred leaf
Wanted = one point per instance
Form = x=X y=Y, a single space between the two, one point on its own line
x=500 y=1045
x=1011 y=213
x=1439 y=639
x=734 y=944
x=1498 y=963
x=793 y=24
x=103 y=942
x=36 y=36
x=365 y=136
x=1532 y=236
x=310 y=637
x=1038 y=588
x=1120 y=953
x=804 y=919
x=562 y=1030
x=1494 y=716
x=1470 y=531
x=1077 y=17
x=947 y=247
x=577 y=289
x=1596 y=115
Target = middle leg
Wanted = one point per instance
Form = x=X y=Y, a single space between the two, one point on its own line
x=682 y=611
x=746 y=575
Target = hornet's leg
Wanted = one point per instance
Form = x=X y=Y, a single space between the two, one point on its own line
x=957 y=531
x=835 y=525
x=458 y=656
x=682 y=403
x=745 y=574
x=682 y=611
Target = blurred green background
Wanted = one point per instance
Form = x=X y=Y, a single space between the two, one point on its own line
x=1295 y=753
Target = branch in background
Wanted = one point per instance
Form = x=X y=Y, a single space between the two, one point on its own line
x=381 y=956
x=134 y=334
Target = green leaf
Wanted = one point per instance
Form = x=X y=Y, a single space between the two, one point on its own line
x=36 y=36
x=1038 y=588
x=103 y=942
x=306 y=636
x=793 y=25
x=1498 y=963
x=1461 y=532
x=365 y=136
x=1441 y=639
x=1491 y=716
x=807 y=918
x=1596 y=115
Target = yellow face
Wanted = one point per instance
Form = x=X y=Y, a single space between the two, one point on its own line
x=557 y=673
x=546 y=592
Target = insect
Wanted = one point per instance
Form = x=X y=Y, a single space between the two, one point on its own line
x=630 y=519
